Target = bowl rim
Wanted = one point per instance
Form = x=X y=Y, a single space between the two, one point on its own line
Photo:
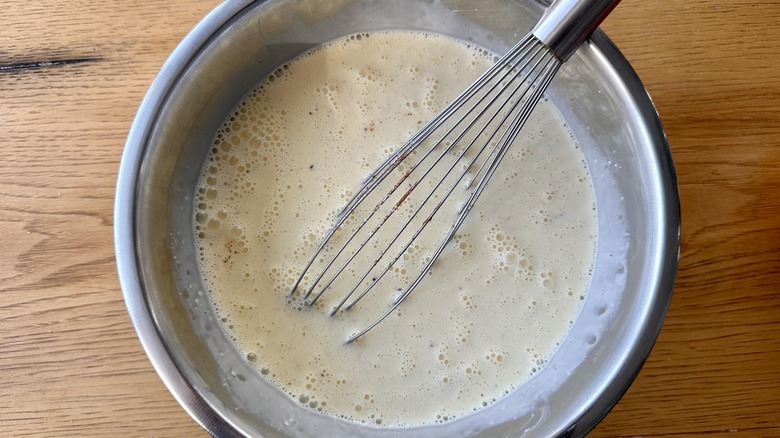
x=128 y=266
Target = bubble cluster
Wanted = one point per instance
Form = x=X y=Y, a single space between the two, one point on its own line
x=463 y=244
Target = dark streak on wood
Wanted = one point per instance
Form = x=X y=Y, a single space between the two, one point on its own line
x=29 y=65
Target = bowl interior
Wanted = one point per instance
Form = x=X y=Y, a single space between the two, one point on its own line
x=241 y=42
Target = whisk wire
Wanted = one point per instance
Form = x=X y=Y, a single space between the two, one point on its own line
x=510 y=62
x=528 y=63
x=438 y=185
x=467 y=168
x=545 y=76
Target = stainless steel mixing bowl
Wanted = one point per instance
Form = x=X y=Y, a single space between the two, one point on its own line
x=242 y=41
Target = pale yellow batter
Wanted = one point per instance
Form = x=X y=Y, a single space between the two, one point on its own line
x=496 y=304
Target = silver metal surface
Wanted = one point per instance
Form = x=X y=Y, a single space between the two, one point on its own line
x=242 y=41
x=567 y=23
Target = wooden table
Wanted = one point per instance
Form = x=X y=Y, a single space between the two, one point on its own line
x=72 y=74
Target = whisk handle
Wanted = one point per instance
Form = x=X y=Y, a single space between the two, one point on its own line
x=567 y=23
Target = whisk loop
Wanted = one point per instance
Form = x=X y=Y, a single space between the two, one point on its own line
x=468 y=138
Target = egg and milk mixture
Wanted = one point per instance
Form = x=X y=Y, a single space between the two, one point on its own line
x=500 y=298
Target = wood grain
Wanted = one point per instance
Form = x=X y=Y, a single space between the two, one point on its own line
x=72 y=74
x=71 y=363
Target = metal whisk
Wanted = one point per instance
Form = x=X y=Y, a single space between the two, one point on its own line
x=469 y=138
